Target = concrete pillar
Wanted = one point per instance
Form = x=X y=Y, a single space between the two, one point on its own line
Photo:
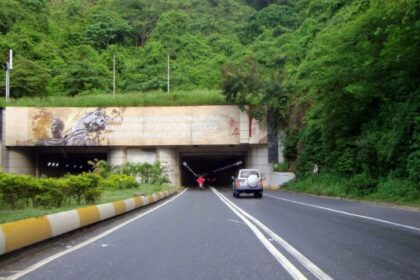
x=169 y=159
x=281 y=144
x=117 y=156
x=258 y=159
x=141 y=156
x=20 y=161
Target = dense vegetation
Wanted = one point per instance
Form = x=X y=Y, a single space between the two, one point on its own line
x=342 y=76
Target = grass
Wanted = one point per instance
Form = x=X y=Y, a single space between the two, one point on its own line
x=388 y=191
x=155 y=98
x=8 y=215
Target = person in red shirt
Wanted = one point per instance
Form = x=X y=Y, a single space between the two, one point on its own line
x=201 y=181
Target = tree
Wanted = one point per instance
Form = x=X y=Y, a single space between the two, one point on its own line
x=243 y=85
x=170 y=27
x=29 y=78
x=105 y=28
x=142 y=15
x=82 y=71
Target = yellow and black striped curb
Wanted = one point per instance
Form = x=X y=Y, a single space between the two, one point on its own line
x=18 y=234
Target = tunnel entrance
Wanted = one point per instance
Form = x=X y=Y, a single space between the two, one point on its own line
x=59 y=164
x=215 y=168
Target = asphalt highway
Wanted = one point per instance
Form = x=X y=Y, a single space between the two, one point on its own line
x=211 y=235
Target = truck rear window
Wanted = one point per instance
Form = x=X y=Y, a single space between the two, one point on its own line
x=247 y=173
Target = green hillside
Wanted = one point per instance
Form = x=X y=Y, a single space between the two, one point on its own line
x=342 y=76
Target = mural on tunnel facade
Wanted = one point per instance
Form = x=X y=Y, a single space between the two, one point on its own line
x=129 y=126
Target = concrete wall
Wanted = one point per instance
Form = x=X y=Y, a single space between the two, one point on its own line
x=169 y=159
x=20 y=161
x=141 y=155
x=167 y=156
x=258 y=158
x=117 y=156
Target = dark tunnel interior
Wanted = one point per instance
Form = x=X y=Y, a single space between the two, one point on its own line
x=58 y=164
x=207 y=165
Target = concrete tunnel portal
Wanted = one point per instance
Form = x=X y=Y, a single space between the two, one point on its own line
x=216 y=168
x=208 y=139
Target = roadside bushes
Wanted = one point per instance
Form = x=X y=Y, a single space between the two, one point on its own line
x=52 y=192
x=358 y=186
x=85 y=186
x=143 y=173
x=22 y=191
x=120 y=182
x=18 y=191
x=146 y=173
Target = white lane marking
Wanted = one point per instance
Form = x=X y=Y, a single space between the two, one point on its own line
x=234 y=221
x=288 y=266
x=87 y=242
x=315 y=270
x=346 y=213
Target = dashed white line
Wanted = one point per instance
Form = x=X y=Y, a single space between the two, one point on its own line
x=346 y=213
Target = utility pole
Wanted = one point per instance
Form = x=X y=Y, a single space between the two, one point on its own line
x=8 y=67
x=113 y=78
x=169 y=78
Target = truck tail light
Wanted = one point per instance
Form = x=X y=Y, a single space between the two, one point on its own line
x=261 y=183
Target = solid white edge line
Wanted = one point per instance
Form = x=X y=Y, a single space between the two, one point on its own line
x=346 y=213
x=287 y=265
x=315 y=270
x=87 y=242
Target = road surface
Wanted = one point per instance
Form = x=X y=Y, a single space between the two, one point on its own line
x=211 y=235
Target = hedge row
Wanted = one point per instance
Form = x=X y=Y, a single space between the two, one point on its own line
x=19 y=191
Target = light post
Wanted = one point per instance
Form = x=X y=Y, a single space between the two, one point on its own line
x=169 y=77
x=113 y=77
x=8 y=65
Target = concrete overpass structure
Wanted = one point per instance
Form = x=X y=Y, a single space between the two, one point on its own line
x=53 y=141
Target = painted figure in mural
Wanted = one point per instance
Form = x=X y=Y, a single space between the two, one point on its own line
x=88 y=129
x=57 y=127
x=86 y=132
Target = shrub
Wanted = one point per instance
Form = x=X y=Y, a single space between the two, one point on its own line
x=120 y=182
x=52 y=192
x=100 y=167
x=85 y=186
x=361 y=185
x=16 y=189
x=148 y=173
x=397 y=189
x=281 y=167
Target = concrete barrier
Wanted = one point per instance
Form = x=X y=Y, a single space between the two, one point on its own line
x=275 y=180
x=18 y=234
